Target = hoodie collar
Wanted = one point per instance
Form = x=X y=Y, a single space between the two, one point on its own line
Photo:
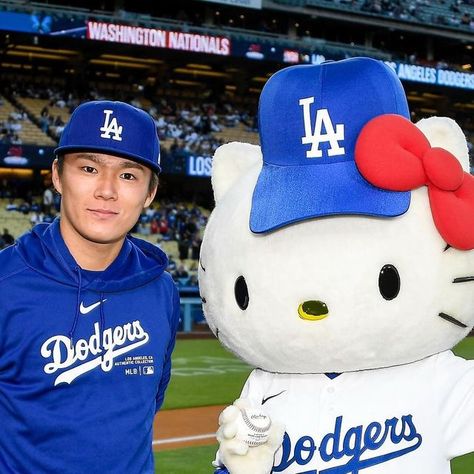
x=138 y=262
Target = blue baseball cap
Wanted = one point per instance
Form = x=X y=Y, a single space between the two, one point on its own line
x=114 y=128
x=309 y=121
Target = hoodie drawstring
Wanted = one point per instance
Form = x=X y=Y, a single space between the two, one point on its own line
x=102 y=318
x=78 y=304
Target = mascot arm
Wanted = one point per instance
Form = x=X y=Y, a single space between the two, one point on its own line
x=455 y=388
x=235 y=456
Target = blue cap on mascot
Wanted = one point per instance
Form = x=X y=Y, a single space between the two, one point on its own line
x=309 y=121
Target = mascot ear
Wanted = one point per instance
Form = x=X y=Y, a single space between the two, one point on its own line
x=230 y=162
x=445 y=133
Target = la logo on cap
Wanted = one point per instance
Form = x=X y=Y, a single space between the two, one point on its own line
x=316 y=137
x=111 y=126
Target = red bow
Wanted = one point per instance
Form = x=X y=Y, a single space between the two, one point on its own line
x=392 y=153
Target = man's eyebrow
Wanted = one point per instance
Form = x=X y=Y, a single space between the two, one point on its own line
x=89 y=156
x=131 y=164
x=123 y=163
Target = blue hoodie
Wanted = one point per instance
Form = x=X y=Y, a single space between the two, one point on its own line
x=84 y=356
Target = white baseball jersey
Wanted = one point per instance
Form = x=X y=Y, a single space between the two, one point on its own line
x=407 y=419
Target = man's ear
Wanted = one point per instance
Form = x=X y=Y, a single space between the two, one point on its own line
x=151 y=196
x=55 y=176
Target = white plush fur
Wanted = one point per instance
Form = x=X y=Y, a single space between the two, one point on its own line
x=336 y=260
x=229 y=163
x=446 y=133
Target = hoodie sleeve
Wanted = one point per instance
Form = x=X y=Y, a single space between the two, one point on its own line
x=166 y=373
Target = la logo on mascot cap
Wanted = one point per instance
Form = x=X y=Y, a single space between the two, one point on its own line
x=338 y=262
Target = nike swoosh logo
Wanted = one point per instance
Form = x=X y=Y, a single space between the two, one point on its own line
x=265 y=400
x=87 y=309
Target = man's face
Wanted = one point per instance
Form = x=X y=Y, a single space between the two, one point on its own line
x=102 y=196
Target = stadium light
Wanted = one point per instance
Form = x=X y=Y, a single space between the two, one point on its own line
x=198 y=72
x=31 y=55
x=106 y=62
x=131 y=59
x=204 y=67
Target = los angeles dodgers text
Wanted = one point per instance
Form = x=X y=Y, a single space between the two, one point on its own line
x=356 y=441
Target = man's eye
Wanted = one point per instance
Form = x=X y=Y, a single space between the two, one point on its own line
x=128 y=176
x=89 y=169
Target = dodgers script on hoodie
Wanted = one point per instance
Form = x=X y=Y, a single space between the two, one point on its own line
x=84 y=356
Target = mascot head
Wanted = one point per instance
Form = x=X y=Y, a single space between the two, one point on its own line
x=345 y=241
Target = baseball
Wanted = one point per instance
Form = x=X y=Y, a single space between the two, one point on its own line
x=253 y=426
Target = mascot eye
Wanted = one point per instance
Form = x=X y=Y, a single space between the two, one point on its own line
x=241 y=293
x=389 y=282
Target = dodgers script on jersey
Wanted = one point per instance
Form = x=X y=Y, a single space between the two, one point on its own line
x=371 y=422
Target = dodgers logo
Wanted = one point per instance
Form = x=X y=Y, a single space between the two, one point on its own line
x=111 y=126
x=355 y=449
x=316 y=136
x=74 y=360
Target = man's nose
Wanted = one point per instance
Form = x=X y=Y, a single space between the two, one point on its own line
x=106 y=187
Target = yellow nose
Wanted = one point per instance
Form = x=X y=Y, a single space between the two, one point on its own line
x=313 y=310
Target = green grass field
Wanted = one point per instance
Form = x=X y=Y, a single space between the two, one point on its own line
x=204 y=374
x=465 y=348
x=186 y=461
x=216 y=378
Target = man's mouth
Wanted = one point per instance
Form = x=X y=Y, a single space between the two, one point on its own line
x=103 y=212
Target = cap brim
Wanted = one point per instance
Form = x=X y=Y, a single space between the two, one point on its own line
x=111 y=151
x=287 y=194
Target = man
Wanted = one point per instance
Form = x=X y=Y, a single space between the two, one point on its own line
x=7 y=238
x=88 y=316
x=48 y=195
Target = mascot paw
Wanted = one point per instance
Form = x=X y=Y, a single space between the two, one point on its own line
x=235 y=453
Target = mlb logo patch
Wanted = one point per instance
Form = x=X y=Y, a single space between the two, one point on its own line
x=148 y=370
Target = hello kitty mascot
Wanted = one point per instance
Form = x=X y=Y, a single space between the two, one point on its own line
x=338 y=261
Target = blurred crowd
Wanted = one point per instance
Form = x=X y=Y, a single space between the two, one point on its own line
x=455 y=14
x=183 y=223
x=182 y=126
x=449 y=13
x=11 y=127
x=49 y=122
x=191 y=126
